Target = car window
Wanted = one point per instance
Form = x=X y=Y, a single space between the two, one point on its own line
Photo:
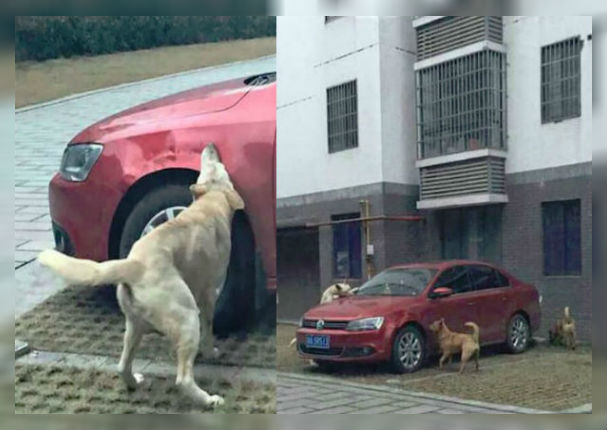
x=501 y=280
x=397 y=282
x=482 y=277
x=455 y=278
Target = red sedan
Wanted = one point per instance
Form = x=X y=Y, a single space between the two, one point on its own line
x=128 y=173
x=389 y=316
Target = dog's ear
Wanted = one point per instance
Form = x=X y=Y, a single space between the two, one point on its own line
x=338 y=287
x=198 y=190
x=234 y=199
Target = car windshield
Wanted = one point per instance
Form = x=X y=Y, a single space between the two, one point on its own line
x=397 y=282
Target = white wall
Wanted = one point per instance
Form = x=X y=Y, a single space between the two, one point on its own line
x=312 y=56
x=531 y=144
x=399 y=139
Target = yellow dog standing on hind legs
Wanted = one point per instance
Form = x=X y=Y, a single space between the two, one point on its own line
x=172 y=276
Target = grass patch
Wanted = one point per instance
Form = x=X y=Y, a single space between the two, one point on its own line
x=89 y=321
x=42 y=81
x=544 y=377
x=38 y=389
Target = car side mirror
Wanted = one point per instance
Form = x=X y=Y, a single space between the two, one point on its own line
x=441 y=292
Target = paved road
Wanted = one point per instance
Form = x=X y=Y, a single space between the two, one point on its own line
x=301 y=394
x=41 y=134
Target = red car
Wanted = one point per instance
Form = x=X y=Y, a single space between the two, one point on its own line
x=128 y=173
x=388 y=318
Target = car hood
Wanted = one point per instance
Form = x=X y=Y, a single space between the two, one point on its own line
x=355 y=307
x=167 y=110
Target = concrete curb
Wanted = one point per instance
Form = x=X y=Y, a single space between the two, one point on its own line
x=150 y=367
x=134 y=83
x=416 y=394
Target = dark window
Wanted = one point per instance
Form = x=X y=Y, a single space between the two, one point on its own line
x=455 y=278
x=331 y=18
x=342 y=117
x=562 y=251
x=347 y=253
x=561 y=80
x=484 y=277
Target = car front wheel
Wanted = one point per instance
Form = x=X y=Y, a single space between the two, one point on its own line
x=519 y=334
x=408 y=350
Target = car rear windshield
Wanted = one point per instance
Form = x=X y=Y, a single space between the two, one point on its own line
x=397 y=282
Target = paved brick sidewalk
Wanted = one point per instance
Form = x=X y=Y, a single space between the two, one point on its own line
x=41 y=133
x=299 y=394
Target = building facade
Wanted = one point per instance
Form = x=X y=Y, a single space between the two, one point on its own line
x=442 y=137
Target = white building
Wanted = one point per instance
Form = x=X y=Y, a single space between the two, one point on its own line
x=480 y=125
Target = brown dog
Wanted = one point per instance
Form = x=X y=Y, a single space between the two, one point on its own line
x=563 y=331
x=453 y=343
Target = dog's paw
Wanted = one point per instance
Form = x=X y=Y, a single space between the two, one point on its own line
x=138 y=378
x=215 y=401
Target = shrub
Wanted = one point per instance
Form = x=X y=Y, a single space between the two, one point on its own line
x=44 y=37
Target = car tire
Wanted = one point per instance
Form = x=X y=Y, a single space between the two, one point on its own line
x=408 y=350
x=518 y=334
x=150 y=205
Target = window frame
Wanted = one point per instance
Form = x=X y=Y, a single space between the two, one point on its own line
x=562 y=270
x=338 y=113
x=549 y=82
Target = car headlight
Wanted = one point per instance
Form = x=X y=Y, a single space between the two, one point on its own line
x=374 y=323
x=78 y=160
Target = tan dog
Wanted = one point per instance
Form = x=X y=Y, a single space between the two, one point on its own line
x=170 y=280
x=454 y=343
x=563 y=331
x=332 y=292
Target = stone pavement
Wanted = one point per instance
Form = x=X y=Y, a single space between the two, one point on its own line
x=41 y=133
x=303 y=394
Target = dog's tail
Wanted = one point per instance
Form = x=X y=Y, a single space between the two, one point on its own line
x=475 y=330
x=77 y=271
x=292 y=342
x=566 y=312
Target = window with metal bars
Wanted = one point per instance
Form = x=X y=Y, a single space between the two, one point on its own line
x=342 y=117
x=461 y=104
x=561 y=86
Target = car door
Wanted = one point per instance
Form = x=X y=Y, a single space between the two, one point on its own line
x=457 y=308
x=492 y=302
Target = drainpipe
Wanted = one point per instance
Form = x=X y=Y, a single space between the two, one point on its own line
x=368 y=247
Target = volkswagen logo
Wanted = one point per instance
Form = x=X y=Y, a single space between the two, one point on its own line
x=320 y=324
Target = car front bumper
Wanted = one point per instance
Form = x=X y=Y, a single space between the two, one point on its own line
x=347 y=346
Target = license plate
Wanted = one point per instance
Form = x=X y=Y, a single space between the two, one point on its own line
x=320 y=341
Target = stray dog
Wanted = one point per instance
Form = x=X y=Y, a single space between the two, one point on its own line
x=332 y=292
x=453 y=343
x=563 y=331
x=170 y=280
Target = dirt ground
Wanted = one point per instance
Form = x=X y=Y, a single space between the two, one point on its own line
x=543 y=377
x=53 y=389
x=89 y=321
x=42 y=81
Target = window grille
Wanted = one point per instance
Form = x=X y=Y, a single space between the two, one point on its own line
x=342 y=117
x=561 y=80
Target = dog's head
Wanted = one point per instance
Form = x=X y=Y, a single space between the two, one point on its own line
x=343 y=290
x=437 y=326
x=214 y=176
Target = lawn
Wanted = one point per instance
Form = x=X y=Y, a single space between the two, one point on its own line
x=544 y=377
x=42 y=81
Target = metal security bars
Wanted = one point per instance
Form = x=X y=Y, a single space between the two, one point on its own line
x=453 y=32
x=461 y=104
x=342 y=116
x=561 y=85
